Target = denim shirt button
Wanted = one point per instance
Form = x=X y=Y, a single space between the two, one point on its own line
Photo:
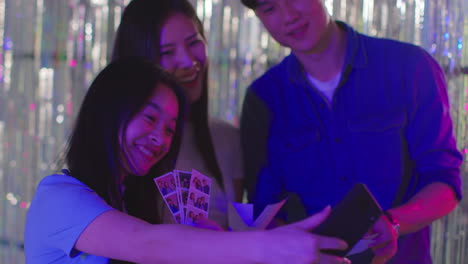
x=343 y=178
x=337 y=140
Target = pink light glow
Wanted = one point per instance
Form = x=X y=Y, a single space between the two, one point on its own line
x=72 y=63
x=69 y=107
x=32 y=107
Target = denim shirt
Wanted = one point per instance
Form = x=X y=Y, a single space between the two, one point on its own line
x=388 y=126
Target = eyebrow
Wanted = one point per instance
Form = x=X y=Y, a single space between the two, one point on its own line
x=192 y=36
x=187 y=38
x=155 y=106
x=158 y=108
x=261 y=3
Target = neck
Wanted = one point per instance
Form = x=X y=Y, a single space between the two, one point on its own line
x=327 y=62
x=188 y=113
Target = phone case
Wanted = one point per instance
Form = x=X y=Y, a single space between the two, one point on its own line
x=351 y=218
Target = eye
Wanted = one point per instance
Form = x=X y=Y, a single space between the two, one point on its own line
x=150 y=118
x=267 y=8
x=194 y=42
x=166 y=52
x=170 y=132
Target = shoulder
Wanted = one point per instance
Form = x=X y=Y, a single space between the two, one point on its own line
x=59 y=184
x=64 y=187
x=226 y=137
x=63 y=191
x=393 y=49
x=263 y=96
x=61 y=209
x=221 y=126
x=272 y=77
x=398 y=59
x=223 y=132
x=60 y=180
x=65 y=196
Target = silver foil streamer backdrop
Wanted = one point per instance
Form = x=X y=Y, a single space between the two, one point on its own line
x=50 y=50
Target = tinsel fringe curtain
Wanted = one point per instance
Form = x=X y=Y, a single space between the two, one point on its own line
x=50 y=50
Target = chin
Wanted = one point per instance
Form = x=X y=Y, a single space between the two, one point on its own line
x=141 y=171
x=194 y=97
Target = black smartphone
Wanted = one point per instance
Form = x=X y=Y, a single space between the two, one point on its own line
x=351 y=218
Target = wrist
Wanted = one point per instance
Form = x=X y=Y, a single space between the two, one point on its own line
x=395 y=224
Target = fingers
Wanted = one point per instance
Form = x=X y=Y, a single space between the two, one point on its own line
x=387 y=251
x=323 y=242
x=385 y=245
x=312 y=221
x=205 y=223
x=384 y=251
x=385 y=232
x=379 y=260
x=329 y=259
x=379 y=245
x=331 y=243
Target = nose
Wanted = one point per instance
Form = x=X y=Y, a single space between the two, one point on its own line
x=156 y=137
x=186 y=58
x=157 y=140
x=290 y=13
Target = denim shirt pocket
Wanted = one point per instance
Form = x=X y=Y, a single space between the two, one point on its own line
x=378 y=123
x=377 y=150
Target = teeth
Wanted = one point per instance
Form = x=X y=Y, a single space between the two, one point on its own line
x=146 y=151
x=190 y=78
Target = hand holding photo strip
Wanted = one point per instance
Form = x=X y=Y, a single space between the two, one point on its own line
x=179 y=198
x=198 y=197
x=165 y=184
x=184 y=178
x=183 y=184
x=167 y=187
x=173 y=203
x=200 y=182
x=187 y=194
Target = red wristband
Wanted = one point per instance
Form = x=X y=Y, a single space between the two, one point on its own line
x=392 y=220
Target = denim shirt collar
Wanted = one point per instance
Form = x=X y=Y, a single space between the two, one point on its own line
x=355 y=58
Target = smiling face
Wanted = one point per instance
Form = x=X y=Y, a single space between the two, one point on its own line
x=183 y=54
x=298 y=24
x=148 y=136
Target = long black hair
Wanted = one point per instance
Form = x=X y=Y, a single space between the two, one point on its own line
x=252 y=4
x=93 y=155
x=139 y=35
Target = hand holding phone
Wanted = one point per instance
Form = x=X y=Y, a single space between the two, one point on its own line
x=351 y=218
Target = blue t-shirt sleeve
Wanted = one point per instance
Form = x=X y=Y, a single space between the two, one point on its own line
x=61 y=210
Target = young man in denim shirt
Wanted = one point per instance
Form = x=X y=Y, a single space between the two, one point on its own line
x=345 y=108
